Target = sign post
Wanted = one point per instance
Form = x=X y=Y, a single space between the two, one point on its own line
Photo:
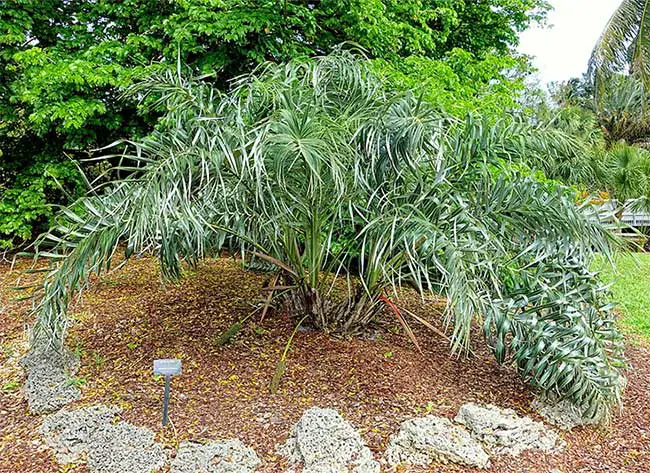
x=167 y=368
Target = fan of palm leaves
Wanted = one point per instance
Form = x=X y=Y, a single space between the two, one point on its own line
x=622 y=110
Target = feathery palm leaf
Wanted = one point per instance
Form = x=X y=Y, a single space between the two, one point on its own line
x=625 y=42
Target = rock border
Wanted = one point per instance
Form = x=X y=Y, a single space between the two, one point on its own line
x=323 y=441
x=503 y=432
x=48 y=386
x=94 y=435
x=91 y=435
x=476 y=433
x=221 y=456
x=425 y=440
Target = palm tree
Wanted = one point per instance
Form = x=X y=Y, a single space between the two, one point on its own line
x=624 y=172
x=298 y=157
x=625 y=42
x=622 y=110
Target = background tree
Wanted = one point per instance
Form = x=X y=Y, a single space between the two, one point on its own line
x=462 y=82
x=609 y=137
x=625 y=43
x=624 y=172
x=64 y=63
x=620 y=109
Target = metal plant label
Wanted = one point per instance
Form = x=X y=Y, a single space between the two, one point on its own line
x=167 y=368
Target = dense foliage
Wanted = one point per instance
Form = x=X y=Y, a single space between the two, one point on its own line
x=620 y=110
x=610 y=135
x=624 y=171
x=461 y=83
x=63 y=64
x=28 y=188
x=298 y=154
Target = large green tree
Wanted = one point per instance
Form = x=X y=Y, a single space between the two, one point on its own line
x=63 y=64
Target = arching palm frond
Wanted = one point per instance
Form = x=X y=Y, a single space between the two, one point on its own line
x=624 y=43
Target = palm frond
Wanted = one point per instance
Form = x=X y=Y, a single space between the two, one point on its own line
x=624 y=44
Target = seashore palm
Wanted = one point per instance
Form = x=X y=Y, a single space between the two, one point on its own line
x=316 y=169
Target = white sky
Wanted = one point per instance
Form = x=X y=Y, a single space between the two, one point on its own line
x=563 y=48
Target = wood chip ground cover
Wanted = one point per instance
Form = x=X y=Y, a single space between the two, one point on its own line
x=128 y=318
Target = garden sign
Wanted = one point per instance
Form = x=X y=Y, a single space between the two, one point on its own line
x=168 y=368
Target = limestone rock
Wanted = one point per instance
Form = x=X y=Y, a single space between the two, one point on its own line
x=88 y=434
x=68 y=432
x=124 y=447
x=324 y=442
x=225 y=456
x=563 y=414
x=47 y=388
x=422 y=441
x=505 y=432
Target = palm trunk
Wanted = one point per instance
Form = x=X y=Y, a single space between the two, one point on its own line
x=346 y=317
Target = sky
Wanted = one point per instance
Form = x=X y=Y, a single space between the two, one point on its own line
x=562 y=49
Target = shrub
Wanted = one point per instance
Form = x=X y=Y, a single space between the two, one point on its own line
x=28 y=194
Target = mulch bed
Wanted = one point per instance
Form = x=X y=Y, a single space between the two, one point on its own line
x=129 y=318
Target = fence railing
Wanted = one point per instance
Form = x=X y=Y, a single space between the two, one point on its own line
x=630 y=217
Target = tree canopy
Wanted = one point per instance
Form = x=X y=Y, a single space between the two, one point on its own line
x=63 y=65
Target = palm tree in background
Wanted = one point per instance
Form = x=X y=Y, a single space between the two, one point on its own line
x=625 y=43
x=621 y=107
x=619 y=69
x=624 y=171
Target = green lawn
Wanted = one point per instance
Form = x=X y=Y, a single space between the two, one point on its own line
x=631 y=289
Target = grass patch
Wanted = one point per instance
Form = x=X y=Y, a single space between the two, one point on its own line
x=631 y=288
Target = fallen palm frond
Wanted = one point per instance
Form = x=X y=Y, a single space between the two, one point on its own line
x=281 y=367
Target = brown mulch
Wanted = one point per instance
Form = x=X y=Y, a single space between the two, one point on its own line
x=129 y=318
